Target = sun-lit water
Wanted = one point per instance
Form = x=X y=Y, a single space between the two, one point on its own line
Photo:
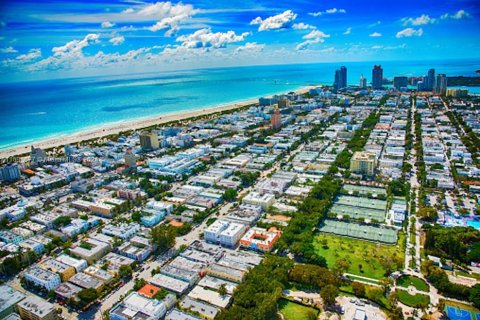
x=32 y=111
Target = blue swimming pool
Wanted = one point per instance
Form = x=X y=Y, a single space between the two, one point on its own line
x=474 y=223
x=455 y=313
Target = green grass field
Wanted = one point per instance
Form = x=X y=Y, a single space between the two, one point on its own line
x=468 y=275
x=364 y=256
x=419 y=284
x=295 y=311
x=416 y=301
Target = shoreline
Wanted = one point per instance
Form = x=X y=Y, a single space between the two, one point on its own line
x=128 y=125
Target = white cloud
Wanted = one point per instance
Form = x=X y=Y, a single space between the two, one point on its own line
x=328 y=11
x=64 y=57
x=128 y=11
x=315 y=36
x=107 y=24
x=250 y=47
x=170 y=23
x=460 y=14
x=302 y=26
x=117 y=40
x=418 y=21
x=31 y=55
x=409 y=32
x=205 y=38
x=8 y=50
x=75 y=47
x=348 y=31
x=375 y=24
x=169 y=15
x=280 y=21
x=375 y=34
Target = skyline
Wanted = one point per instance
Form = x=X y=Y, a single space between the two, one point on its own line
x=124 y=37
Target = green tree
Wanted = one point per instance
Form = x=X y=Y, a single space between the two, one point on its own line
x=474 y=253
x=125 y=271
x=222 y=290
x=163 y=237
x=136 y=216
x=87 y=296
x=427 y=214
x=329 y=293
x=139 y=283
x=341 y=266
x=475 y=295
x=375 y=294
x=230 y=195
x=358 y=289
x=62 y=221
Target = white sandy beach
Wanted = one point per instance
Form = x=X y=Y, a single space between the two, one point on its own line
x=111 y=129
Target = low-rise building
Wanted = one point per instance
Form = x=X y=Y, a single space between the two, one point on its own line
x=67 y=290
x=136 y=306
x=29 y=244
x=10 y=237
x=100 y=274
x=224 y=233
x=42 y=278
x=123 y=231
x=134 y=251
x=259 y=239
x=210 y=296
x=224 y=272
x=93 y=251
x=63 y=270
x=78 y=264
x=8 y=299
x=86 y=281
x=35 y=308
x=169 y=283
x=264 y=201
x=115 y=261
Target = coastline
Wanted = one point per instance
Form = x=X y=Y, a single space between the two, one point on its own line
x=115 y=128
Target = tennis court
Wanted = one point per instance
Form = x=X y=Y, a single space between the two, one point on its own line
x=363 y=202
x=358 y=212
x=360 y=208
x=364 y=232
x=364 y=190
x=456 y=313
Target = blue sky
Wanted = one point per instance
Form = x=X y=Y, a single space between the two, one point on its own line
x=42 y=39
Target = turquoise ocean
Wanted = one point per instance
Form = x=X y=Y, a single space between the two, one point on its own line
x=38 y=110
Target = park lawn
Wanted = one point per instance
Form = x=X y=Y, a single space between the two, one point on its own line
x=419 y=284
x=359 y=252
x=295 y=311
x=415 y=301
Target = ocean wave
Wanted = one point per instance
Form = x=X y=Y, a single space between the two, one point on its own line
x=155 y=103
x=40 y=113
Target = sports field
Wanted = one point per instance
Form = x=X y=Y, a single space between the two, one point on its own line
x=364 y=232
x=456 y=313
x=364 y=190
x=360 y=208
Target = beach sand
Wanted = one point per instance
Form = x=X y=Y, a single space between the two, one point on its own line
x=111 y=129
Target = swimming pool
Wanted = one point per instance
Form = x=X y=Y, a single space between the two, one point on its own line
x=474 y=223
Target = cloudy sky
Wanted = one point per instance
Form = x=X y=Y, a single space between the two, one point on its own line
x=77 y=38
